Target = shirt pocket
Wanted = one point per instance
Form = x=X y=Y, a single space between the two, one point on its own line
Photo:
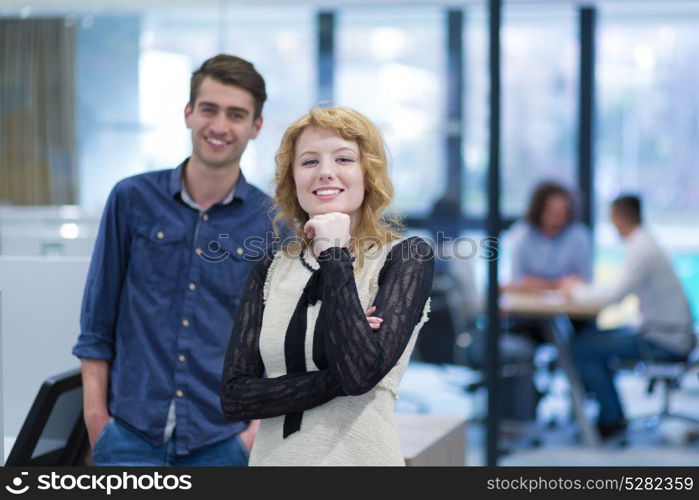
x=229 y=275
x=158 y=255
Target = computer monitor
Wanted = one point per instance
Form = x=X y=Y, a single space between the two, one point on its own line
x=54 y=432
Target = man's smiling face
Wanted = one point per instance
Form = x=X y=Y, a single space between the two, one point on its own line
x=222 y=121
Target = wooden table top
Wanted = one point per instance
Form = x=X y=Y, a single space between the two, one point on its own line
x=549 y=303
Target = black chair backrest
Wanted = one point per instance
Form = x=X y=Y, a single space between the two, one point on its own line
x=437 y=340
x=54 y=432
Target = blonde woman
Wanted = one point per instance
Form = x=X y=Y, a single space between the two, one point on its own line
x=326 y=325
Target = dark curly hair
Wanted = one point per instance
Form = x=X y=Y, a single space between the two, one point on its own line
x=541 y=195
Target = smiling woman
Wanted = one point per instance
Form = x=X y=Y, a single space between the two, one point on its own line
x=322 y=339
x=328 y=174
x=338 y=130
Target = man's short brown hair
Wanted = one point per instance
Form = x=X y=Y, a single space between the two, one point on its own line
x=230 y=70
x=628 y=207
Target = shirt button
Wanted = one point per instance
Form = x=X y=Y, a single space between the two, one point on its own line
x=192 y=286
x=160 y=235
x=205 y=217
x=185 y=323
x=179 y=394
x=239 y=251
x=181 y=358
x=198 y=251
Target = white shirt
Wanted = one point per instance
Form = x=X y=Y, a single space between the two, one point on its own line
x=666 y=318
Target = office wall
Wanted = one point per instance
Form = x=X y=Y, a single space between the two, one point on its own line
x=40 y=322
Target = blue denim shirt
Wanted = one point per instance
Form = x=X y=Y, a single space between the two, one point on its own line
x=535 y=254
x=160 y=298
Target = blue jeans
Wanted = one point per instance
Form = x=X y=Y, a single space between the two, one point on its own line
x=117 y=445
x=592 y=351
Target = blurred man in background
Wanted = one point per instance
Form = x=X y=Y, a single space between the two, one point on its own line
x=665 y=331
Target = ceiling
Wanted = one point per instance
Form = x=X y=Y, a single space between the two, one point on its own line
x=37 y=7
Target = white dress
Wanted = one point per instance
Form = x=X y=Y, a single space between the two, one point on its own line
x=308 y=418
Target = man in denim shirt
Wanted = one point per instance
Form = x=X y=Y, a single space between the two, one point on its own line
x=173 y=252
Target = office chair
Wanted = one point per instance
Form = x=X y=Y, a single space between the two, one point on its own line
x=53 y=432
x=666 y=375
x=437 y=340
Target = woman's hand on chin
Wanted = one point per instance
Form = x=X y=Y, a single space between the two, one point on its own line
x=328 y=230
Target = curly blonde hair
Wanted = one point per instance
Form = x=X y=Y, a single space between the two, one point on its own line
x=374 y=227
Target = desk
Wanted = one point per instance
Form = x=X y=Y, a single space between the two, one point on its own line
x=554 y=307
x=544 y=304
x=431 y=440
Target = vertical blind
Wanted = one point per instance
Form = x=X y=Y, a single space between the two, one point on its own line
x=37 y=127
